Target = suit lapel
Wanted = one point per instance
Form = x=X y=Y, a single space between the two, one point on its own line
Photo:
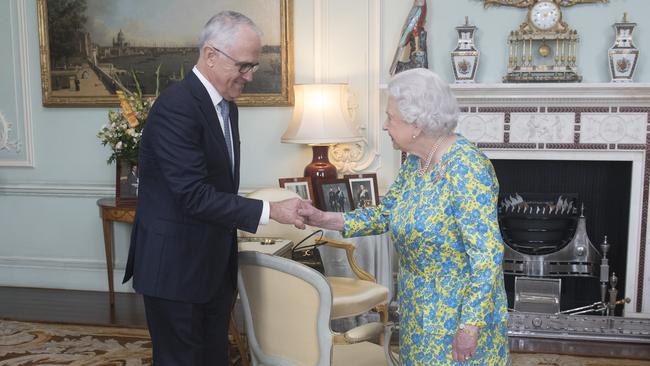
x=210 y=114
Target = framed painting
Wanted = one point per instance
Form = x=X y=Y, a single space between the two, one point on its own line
x=127 y=180
x=90 y=48
x=334 y=195
x=300 y=185
x=364 y=189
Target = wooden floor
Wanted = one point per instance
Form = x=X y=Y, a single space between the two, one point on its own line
x=67 y=306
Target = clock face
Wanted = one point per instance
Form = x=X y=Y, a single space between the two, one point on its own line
x=544 y=15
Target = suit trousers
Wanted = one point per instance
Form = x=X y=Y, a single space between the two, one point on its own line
x=190 y=334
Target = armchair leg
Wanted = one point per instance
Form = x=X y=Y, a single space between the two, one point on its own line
x=382 y=309
x=239 y=342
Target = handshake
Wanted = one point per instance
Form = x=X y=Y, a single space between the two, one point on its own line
x=299 y=213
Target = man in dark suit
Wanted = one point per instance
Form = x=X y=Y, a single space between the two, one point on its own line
x=183 y=254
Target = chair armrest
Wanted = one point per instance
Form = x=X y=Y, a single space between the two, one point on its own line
x=349 y=251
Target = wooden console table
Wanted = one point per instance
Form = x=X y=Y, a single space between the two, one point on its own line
x=110 y=212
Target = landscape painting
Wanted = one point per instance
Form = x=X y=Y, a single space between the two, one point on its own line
x=91 y=48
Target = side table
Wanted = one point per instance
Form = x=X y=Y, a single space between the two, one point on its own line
x=110 y=212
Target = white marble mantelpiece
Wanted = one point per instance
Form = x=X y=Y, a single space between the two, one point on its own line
x=554 y=94
x=572 y=122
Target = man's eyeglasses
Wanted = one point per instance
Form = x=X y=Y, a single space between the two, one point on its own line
x=244 y=67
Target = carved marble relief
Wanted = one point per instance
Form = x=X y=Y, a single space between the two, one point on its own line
x=346 y=157
x=620 y=128
x=6 y=142
x=542 y=127
x=483 y=127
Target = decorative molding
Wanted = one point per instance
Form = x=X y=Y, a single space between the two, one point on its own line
x=364 y=156
x=319 y=10
x=572 y=95
x=604 y=122
x=53 y=189
x=5 y=131
x=80 y=274
x=25 y=78
x=21 y=81
x=79 y=190
x=486 y=127
x=541 y=127
x=618 y=128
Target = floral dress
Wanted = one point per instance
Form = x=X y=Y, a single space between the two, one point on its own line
x=446 y=234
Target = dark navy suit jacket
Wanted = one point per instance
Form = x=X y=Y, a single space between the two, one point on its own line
x=183 y=241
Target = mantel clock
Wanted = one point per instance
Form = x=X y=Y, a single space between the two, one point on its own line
x=544 y=48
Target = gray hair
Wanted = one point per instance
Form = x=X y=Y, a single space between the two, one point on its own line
x=223 y=28
x=423 y=98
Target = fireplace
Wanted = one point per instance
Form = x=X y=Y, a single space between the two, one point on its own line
x=586 y=140
x=595 y=200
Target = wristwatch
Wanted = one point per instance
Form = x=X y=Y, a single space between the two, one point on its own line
x=469 y=330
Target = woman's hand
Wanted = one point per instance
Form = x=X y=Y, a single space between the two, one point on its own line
x=464 y=345
x=315 y=217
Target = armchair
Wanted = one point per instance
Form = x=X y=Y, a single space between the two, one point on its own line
x=287 y=309
x=350 y=296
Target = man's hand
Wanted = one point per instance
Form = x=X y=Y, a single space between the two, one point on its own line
x=310 y=214
x=286 y=212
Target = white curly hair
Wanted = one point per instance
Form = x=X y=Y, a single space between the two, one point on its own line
x=423 y=98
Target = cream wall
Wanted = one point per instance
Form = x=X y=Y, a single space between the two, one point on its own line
x=50 y=232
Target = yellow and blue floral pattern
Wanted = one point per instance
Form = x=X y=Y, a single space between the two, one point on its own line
x=446 y=234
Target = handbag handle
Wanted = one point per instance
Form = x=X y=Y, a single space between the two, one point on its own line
x=313 y=246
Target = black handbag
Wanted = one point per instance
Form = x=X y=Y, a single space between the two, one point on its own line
x=309 y=255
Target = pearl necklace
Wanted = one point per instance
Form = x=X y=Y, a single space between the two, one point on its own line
x=423 y=169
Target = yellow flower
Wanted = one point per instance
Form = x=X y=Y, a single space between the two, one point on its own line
x=127 y=110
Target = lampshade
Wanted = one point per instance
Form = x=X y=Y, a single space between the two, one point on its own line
x=320 y=116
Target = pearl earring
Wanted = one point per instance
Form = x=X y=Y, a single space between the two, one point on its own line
x=413 y=137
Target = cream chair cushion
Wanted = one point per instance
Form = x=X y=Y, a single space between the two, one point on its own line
x=358 y=354
x=354 y=297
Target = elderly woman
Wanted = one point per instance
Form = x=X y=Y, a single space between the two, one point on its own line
x=441 y=212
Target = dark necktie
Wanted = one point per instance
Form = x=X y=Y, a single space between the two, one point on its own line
x=225 y=114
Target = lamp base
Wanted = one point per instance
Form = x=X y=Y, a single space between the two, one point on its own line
x=320 y=167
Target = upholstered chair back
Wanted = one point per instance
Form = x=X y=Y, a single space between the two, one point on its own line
x=286 y=311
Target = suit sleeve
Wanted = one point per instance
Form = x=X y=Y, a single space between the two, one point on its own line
x=177 y=133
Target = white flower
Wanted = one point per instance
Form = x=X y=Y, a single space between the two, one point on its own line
x=118 y=146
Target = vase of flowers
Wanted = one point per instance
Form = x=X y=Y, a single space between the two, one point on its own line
x=122 y=134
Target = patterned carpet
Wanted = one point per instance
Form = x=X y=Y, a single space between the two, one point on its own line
x=27 y=344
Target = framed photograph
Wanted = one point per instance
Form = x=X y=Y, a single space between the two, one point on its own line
x=334 y=195
x=90 y=47
x=126 y=184
x=364 y=189
x=300 y=185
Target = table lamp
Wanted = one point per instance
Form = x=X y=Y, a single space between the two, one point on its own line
x=320 y=119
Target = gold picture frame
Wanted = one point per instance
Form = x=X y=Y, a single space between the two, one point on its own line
x=80 y=79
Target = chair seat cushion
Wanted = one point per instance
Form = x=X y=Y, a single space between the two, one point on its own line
x=358 y=354
x=352 y=296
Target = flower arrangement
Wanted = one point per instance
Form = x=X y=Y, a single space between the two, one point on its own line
x=124 y=130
